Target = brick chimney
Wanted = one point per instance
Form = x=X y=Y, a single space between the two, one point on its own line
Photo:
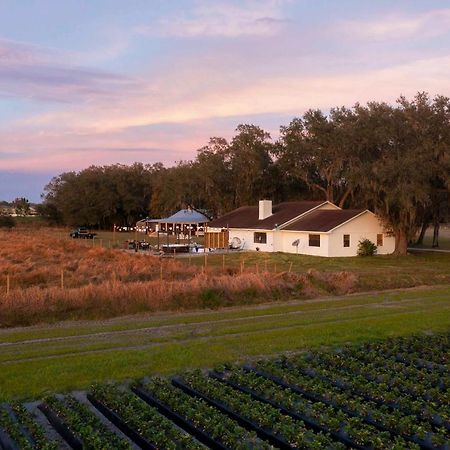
x=265 y=209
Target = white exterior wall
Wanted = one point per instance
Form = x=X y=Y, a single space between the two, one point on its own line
x=281 y=241
x=286 y=238
x=247 y=236
x=366 y=226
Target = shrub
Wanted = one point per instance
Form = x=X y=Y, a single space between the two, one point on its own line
x=366 y=248
x=212 y=298
x=7 y=222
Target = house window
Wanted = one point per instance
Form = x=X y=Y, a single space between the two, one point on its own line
x=314 y=240
x=379 y=240
x=260 y=238
x=346 y=240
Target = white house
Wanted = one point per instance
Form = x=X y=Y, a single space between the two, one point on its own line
x=304 y=227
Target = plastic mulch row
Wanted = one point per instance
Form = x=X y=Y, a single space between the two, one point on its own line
x=315 y=398
x=370 y=378
x=6 y=443
x=61 y=427
x=22 y=428
x=312 y=424
x=183 y=423
x=438 y=421
x=390 y=405
x=114 y=418
x=427 y=366
x=420 y=363
x=423 y=444
x=393 y=406
x=264 y=434
x=308 y=395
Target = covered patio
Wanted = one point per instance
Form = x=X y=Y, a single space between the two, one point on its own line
x=184 y=224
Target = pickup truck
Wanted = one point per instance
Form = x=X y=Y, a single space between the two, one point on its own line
x=82 y=233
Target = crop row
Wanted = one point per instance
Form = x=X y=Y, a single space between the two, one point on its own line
x=197 y=413
x=332 y=420
x=416 y=379
x=380 y=392
x=19 y=429
x=390 y=377
x=287 y=431
x=372 y=412
x=145 y=421
x=433 y=348
x=80 y=425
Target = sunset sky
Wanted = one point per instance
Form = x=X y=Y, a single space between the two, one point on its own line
x=111 y=81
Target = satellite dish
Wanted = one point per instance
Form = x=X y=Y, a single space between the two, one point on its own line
x=296 y=243
x=235 y=242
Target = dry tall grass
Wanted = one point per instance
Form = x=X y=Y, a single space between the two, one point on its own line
x=100 y=283
x=36 y=260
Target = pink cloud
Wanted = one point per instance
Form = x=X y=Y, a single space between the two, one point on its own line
x=101 y=117
x=169 y=123
x=400 y=26
x=169 y=101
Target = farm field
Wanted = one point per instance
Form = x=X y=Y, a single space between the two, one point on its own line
x=72 y=355
x=379 y=394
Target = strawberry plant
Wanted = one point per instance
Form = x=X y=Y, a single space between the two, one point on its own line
x=332 y=419
x=15 y=420
x=84 y=424
x=265 y=416
x=204 y=416
x=322 y=389
x=144 y=419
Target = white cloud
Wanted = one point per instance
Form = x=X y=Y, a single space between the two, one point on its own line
x=49 y=75
x=248 y=18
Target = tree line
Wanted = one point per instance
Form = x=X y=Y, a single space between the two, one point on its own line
x=392 y=159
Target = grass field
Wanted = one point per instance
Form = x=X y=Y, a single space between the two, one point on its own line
x=47 y=277
x=372 y=273
x=41 y=359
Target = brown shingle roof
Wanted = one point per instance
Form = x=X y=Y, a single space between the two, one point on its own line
x=247 y=216
x=323 y=220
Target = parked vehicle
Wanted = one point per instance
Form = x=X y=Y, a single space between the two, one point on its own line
x=125 y=229
x=137 y=245
x=82 y=233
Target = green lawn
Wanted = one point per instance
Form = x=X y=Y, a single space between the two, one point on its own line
x=379 y=272
x=41 y=359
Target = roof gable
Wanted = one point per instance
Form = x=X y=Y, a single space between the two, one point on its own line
x=324 y=220
x=187 y=215
x=183 y=216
